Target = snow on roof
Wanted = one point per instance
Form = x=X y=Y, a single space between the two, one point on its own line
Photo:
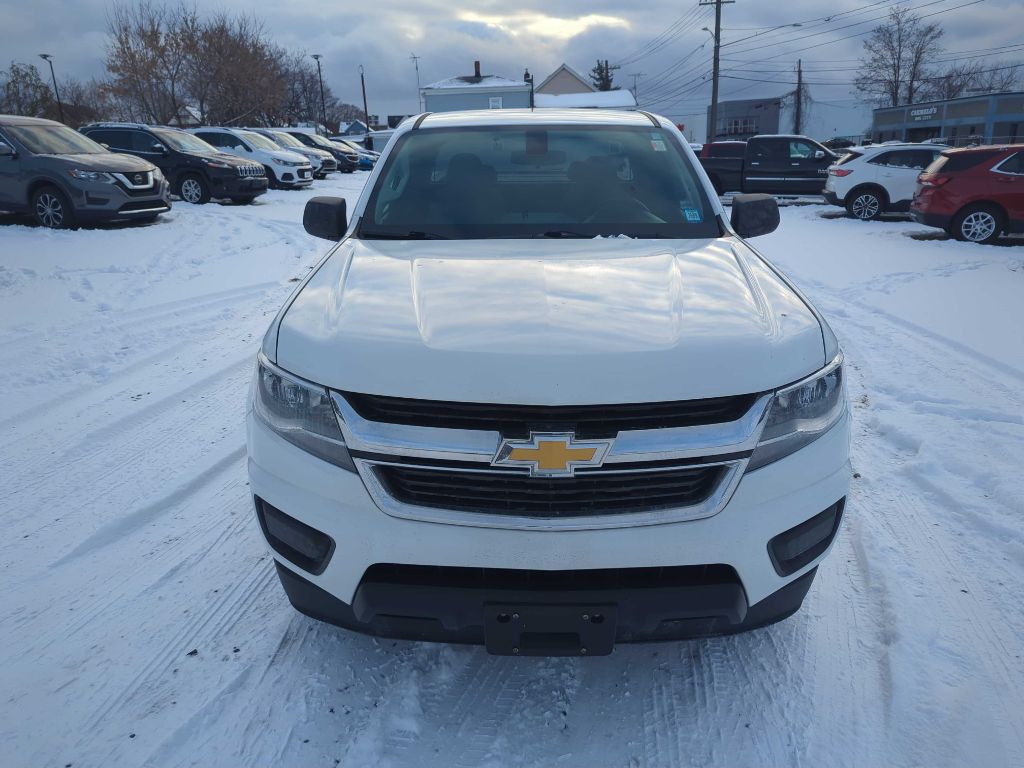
x=471 y=81
x=620 y=99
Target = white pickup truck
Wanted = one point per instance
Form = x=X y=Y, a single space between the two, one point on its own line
x=543 y=396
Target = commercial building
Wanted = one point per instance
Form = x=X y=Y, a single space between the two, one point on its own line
x=740 y=119
x=996 y=118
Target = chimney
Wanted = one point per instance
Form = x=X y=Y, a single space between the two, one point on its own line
x=476 y=69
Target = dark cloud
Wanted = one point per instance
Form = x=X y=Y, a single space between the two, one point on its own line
x=507 y=38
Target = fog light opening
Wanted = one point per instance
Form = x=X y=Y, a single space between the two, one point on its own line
x=793 y=549
x=295 y=541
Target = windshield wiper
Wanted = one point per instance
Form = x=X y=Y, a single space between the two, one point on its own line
x=563 y=233
x=412 y=235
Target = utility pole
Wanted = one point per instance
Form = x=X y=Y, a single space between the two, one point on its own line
x=636 y=77
x=419 y=93
x=366 y=112
x=717 y=35
x=49 y=60
x=798 y=115
x=323 y=103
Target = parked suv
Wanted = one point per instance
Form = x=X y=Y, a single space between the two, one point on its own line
x=322 y=161
x=195 y=170
x=974 y=194
x=286 y=170
x=64 y=178
x=348 y=161
x=869 y=181
x=624 y=423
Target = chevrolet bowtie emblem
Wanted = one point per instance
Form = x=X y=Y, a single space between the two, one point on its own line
x=551 y=454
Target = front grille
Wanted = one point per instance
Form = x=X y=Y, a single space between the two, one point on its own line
x=534 y=580
x=250 y=170
x=587 y=421
x=507 y=493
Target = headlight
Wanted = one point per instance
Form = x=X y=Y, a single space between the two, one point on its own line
x=800 y=414
x=78 y=173
x=215 y=163
x=300 y=412
x=279 y=161
x=157 y=175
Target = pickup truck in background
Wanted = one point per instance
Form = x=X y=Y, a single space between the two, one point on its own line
x=775 y=165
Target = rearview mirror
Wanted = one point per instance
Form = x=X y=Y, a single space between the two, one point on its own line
x=754 y=215
x=326 y=217
x=6 y=150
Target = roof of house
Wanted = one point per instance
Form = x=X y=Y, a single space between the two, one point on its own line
x=472 y=81
x=563 y=67
x=620 y=99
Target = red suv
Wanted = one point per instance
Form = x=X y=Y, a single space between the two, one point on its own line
x=974 y=194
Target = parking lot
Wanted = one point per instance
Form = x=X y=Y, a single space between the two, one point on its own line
x=142 y=606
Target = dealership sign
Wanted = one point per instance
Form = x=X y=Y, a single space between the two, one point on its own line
x=923 y=114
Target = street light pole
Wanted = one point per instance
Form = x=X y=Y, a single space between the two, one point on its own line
x=49 y=60
x=323 y=102
x=366 y=112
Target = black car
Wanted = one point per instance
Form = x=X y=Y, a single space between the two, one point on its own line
x=196 y=170
x=64 y=179
x=348 y=160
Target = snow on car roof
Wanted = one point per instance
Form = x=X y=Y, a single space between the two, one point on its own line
x=521 y=116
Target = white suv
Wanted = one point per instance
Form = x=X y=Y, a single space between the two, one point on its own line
x=542 y=395
x=284 y=169
x=880 y=178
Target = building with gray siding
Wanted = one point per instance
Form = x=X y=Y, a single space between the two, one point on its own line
x=996 y=118
x=740 y=119
x=476 y=91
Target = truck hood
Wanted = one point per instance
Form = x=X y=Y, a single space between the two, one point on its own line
x=606 y=320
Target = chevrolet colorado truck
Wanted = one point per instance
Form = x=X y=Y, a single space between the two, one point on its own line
x=542 y=395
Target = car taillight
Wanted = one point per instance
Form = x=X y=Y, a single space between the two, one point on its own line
x=840 y=172
x=932 y=181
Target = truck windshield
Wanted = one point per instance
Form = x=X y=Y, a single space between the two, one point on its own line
x=54 y=140
x=538 y=181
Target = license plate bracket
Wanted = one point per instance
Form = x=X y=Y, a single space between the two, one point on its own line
x=550 y=630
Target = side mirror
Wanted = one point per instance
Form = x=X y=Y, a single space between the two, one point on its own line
x=754 y=215
x=6 y=150
x=159 y=148
x=327 y=217
x=819 y=154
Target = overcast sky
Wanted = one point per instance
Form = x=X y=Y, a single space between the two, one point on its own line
x=508 y=37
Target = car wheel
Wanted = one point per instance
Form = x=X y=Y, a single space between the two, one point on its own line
x=864 y=205
x=978 y=224
x=192 y=189
x=52 y=209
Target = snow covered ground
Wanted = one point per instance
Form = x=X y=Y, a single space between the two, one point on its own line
x=142 y=623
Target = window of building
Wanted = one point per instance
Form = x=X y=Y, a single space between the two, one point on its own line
x=494 y=102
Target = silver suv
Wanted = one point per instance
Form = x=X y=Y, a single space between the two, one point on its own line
x=64 y=178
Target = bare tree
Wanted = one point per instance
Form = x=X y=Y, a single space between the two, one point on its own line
x=972 y=77
x=147 y=54
x=897 y=58
x=24 y=92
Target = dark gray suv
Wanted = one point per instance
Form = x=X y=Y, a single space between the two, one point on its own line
x=64 y=178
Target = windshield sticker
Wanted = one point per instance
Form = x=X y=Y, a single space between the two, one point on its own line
x=657 y=144
x=693 y=215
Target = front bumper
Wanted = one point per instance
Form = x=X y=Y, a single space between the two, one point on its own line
x=231 y=185
x=349 y=590
x=96 y=201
